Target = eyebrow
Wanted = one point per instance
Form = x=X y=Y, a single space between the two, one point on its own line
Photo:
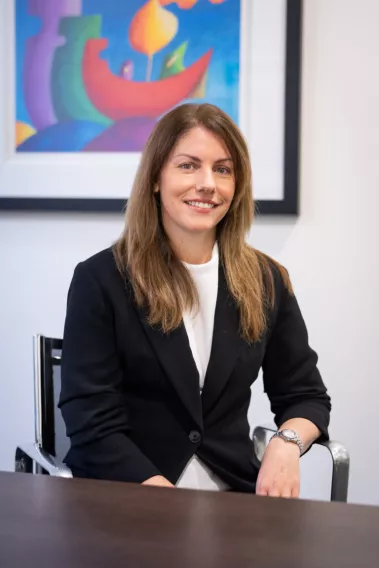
x=196 y=159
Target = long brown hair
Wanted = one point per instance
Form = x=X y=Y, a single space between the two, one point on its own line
x=143 y=252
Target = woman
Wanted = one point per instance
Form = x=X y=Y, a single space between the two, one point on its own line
x=166 y=331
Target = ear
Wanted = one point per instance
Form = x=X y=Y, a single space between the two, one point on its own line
x=156 y=188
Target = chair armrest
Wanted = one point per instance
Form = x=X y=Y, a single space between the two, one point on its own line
x=259 y=442
x=338 y=452
x=52 y=465
x=341 y=469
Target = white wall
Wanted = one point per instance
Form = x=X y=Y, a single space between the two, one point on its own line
x=330 y=250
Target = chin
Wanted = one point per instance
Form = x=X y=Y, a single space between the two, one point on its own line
x=201 y=227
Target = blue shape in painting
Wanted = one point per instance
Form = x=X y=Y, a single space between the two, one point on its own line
x=62 y=137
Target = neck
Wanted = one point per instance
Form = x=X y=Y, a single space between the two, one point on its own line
x=194 y=249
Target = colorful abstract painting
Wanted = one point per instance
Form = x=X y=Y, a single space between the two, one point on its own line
x=96 y=75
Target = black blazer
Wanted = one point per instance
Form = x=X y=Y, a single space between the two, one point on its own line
x=130 y=394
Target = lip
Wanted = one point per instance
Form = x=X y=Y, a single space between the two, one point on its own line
x=202 y=201
x=202 y=209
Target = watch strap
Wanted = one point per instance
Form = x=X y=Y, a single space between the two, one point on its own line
x=293 y=440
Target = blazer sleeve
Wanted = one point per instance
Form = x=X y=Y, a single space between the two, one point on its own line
x=290 y=375
x=92 y=400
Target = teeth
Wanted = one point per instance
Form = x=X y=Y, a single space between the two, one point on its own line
x=201 y=204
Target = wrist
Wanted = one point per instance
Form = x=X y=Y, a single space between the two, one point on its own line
x=284 y=448
x=289 y=438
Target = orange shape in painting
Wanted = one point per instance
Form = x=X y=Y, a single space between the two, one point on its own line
x=184 y=4
x=152 y=28
x=23 y=132
x=187 y=4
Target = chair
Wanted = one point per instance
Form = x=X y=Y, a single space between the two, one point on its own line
x=46 y=452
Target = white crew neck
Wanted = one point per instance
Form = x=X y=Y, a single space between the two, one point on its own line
x=205 y=265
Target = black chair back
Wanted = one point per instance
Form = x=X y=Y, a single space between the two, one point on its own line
x=50 y=428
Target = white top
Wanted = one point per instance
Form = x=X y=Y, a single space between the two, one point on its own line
x=199 y=328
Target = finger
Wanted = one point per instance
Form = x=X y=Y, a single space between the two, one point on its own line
x=261 y=490
x=286 y=493
x=295 y=492
x=274 y=492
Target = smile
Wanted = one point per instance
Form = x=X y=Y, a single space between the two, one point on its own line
x=201 y=204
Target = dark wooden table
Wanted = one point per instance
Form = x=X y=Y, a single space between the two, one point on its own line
x=63 y=523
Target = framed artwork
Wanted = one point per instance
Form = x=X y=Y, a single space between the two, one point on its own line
x=84 y=82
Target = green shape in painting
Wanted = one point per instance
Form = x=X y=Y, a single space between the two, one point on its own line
x=173 y=62
x=69 y=95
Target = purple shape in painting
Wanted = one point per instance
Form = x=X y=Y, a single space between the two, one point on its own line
x=127 y=135
x=39 y=56
x=126 y=71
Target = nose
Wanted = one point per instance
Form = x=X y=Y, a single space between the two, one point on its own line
x=205 y=180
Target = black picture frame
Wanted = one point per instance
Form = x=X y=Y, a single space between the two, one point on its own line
x=289 y=205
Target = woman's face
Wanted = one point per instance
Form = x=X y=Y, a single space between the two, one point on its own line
x=196 y=185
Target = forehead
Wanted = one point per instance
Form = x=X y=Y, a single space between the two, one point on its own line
x=202 y=143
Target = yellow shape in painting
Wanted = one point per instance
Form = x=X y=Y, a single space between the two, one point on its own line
x=152 y=28
x=201 y=90
x=23 y=132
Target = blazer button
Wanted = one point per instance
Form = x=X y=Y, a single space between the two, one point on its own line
x=195 y=436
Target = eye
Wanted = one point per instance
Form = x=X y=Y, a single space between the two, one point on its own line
x=223 y=170
x=186 y=166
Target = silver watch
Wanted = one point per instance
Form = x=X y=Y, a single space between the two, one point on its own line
x=289 y=436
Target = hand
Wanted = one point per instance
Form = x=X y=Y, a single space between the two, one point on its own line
x=279 y=475
x=158 y=481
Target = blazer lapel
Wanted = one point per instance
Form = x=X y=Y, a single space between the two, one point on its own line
x=174 y=353
x=226 y=345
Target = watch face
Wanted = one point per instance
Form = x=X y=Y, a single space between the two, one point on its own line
x=290 y=434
